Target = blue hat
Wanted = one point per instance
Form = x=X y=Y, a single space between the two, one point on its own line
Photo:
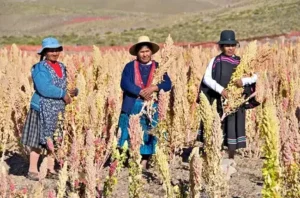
x=51 y=43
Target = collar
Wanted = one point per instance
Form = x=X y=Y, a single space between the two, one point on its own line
x=149 y=63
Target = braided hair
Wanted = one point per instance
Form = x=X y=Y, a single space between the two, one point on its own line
x=43 y=54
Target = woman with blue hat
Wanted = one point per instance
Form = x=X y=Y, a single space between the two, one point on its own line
x=49 y=99
x=216 y=79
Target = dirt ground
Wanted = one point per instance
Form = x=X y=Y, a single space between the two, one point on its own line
x=245 y=183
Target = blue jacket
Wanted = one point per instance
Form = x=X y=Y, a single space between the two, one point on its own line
x=43 y=85
x=131 y=90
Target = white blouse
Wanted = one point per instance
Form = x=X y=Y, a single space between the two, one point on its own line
x=211 y=83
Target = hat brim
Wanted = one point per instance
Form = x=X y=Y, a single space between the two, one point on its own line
x=133 y=52
x=228 y=42
x=50 y=47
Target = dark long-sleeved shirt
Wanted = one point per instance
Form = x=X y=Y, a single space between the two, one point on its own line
x=131 y=90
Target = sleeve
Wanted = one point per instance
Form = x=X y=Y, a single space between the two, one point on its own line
x=126 y=84
x=250 y=80
x=44 y=86
x=166 y=84
x=209 y=81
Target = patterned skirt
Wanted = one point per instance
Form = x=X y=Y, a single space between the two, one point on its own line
x=234 y=127
x=31 y=131
x=149 y=141
x=234 y=130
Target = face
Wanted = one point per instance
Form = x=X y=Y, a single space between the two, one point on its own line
x=229 y=50
x=52 y=54
x=144 y=54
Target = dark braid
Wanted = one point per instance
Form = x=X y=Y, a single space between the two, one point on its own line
x=42 y=57
x=43 y=53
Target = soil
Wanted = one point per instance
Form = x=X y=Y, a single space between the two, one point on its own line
x=245 y=183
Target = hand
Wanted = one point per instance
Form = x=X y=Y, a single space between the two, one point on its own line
x=145 y=97
x=73 y=92
x=67 y=99
x=224 y=94
x=147 y=92
x=239 y=83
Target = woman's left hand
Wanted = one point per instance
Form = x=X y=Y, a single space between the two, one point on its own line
x=239 y=83
x=67 y=99
x=73 y=92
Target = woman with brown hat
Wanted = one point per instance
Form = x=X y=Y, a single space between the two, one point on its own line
x=216 y=79
x=137 y=87
x=49 y=99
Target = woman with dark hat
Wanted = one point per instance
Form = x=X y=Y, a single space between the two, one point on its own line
x=137 y=87
x=216 y=79
x=49 y=99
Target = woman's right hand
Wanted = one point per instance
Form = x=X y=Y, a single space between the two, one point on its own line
x=67 y=99
x=145 y=96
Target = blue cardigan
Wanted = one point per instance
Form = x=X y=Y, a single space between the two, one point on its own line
x=43 y=85
x=131 y=90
